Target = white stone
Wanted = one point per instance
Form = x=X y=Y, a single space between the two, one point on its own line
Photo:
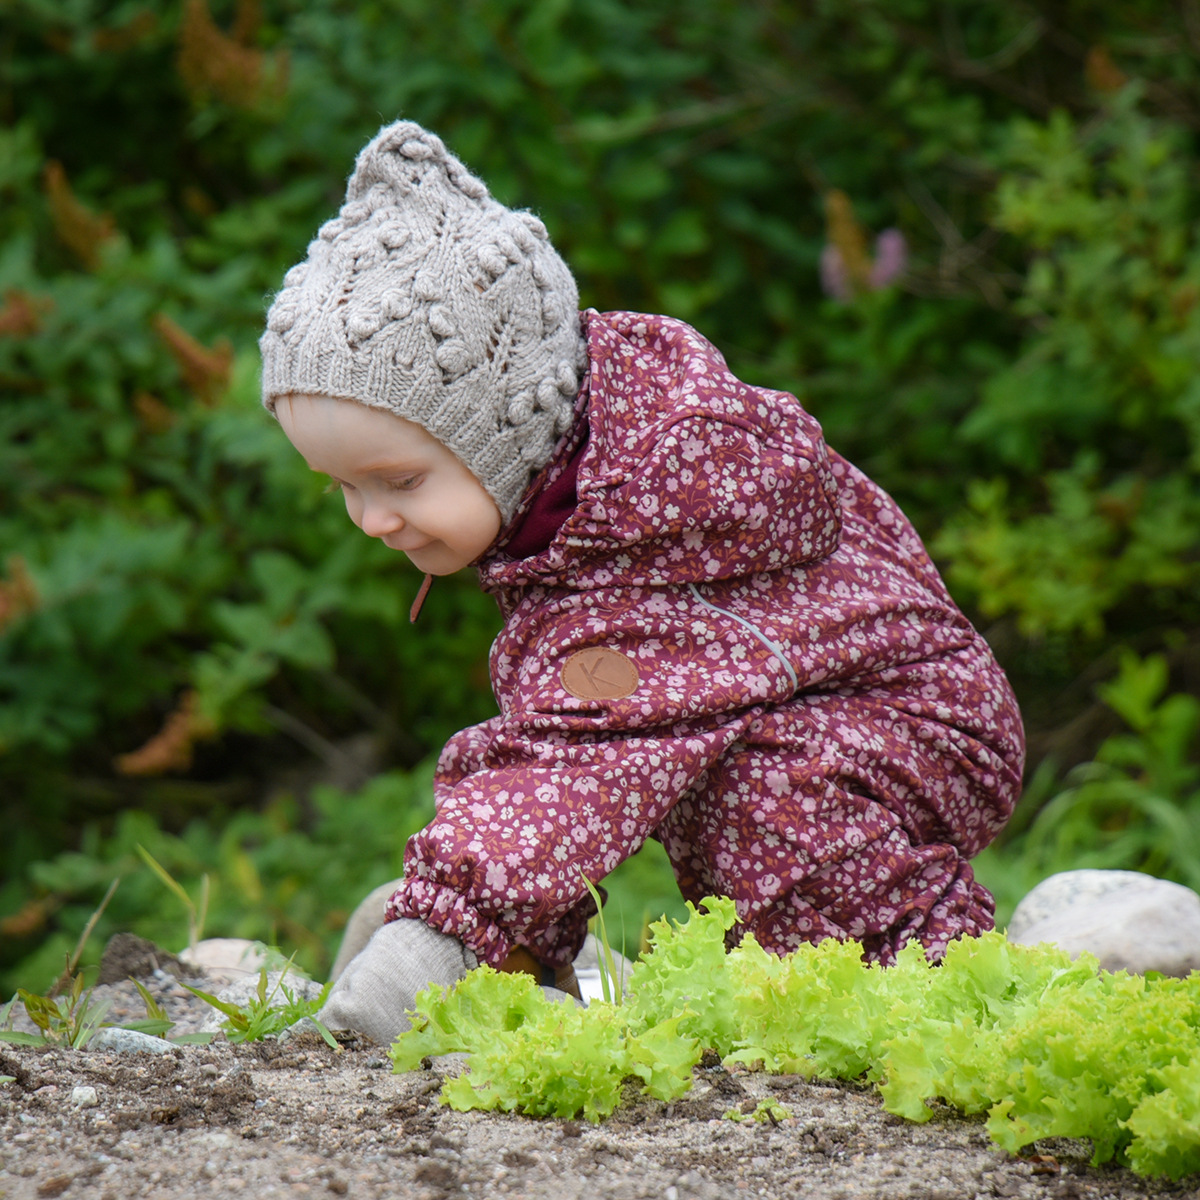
x=216 y=1140
x=1067 y=888
x=128 y=1041
x=84 y=1097
x=224 y=960
x=1129 y=921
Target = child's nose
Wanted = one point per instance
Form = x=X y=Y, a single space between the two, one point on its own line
x=379 y=521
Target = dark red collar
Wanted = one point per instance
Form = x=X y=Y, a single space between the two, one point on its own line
x=548 y=511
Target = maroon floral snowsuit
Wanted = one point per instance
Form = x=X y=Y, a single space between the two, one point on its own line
x=774 y=682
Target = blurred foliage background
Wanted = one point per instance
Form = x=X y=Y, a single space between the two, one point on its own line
x=965 y=232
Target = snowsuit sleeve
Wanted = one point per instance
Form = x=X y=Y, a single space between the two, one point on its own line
x=521 y=824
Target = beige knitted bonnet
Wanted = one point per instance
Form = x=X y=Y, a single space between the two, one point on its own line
x=426 y=297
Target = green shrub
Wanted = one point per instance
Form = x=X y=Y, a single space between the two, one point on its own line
x=179 y=603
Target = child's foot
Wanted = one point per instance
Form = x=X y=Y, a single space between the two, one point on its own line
x=382 y=981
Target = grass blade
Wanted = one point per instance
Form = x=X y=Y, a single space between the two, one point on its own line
x=608 y=966
x=85 y=1026
x=173 y=885
x=202 y=915
x=73 y=961
x=154 y=1010
x=235 y=1014
x=152 y=1027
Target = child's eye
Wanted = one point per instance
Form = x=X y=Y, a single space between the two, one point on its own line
x=404 y=485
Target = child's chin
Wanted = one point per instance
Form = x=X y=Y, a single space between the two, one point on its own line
x=434 y=562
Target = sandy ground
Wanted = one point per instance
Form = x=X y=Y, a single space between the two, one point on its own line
x=299 y=1120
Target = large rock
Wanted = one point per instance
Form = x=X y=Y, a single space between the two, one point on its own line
x=225 y=960
x=1129 y=921
x=243 y=991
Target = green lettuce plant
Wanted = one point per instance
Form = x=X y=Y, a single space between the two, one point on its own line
x=1046 y=1047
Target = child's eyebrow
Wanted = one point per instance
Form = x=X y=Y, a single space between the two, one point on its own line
x=375 y=468
x=388 y=466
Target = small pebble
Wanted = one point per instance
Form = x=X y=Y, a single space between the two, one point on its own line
x=210 y=1070
x=84 y=1097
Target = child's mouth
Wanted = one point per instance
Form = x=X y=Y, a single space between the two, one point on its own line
x=409 y=549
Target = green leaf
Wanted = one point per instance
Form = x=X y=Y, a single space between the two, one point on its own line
x=237 y=1017
x=17 y=1038
x=154 y=1010
x=192 y=1039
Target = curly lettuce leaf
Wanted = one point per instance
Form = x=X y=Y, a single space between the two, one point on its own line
x=685 y=975
x=1166 y=1126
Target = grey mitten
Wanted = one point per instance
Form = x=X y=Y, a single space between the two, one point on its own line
x=382 y=980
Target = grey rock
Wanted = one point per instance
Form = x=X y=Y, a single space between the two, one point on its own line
x=243 y=991
x=1129 y=921
x=128 y=1041
x=84 y=1097
x=1067 y=888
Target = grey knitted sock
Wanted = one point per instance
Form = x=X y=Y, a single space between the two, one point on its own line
x=365 y=919
x=382 y=980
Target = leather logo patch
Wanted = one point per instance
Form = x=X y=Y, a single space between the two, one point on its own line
x=599 y=674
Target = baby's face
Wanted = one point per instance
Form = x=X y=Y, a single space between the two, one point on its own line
x=401 y=484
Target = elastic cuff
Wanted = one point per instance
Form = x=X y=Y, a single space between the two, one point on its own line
x=448 y=912
x=554 y=944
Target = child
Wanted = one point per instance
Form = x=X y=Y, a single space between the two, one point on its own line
x=717 y=632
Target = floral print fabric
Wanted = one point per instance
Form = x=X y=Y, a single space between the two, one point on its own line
x=817 y=731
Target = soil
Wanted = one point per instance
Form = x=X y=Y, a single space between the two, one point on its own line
x=298 y=1119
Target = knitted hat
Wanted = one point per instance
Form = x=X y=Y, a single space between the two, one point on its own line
x=426 y=297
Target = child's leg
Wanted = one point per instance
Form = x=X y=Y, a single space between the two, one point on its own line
x=839 y=817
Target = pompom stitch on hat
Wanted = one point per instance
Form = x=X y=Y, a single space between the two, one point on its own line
x=427 y=297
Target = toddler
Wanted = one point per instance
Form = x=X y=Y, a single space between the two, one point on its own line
x=717 y=632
